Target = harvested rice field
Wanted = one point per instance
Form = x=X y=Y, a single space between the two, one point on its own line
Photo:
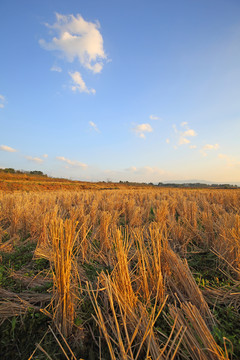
x=125 y=273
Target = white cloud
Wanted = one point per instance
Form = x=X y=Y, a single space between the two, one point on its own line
x=148 y=173
x=183 y=136
x=193 y=146
x=2 y=101
x=211 y=147
x=139 y=174
x=79 y=84
x=76 y=38
x=154 y=117
x=183 y=140
x=45 y=156
x=230 y=160
x=94 y=126
x=56 y=68
x=189 y=132
x=167 y=141
x=7 y=148
x=203 y=152
x=131 y=168
x=223 y=156
x=141 y=129
x=34 y=159
x=207 y=147
x=71 y=162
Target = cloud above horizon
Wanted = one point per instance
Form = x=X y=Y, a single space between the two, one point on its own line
x=7 y=148
x=208 y=147
x=138 y=174
x=141 y=130
x=34 y=159
x=154 y=117
x=74 y=163
x=93 y=126
x=230 y=160
x=56 y=68
x=76 y=38
x=79 y=84
x=211 y=147
x=2 y=101
x=183 y=135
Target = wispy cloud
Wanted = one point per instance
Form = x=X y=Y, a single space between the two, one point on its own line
x=93 y=126
x=230 y=160
x=184 y=135
x=146 y=173
x=45 y=156
x=141 y=129
x=131 y=168
x=208 y=147
x=189 y=132
x=168 y=141
x=211 y=147
x=56 y=68
x=71 y=162
x=7 y=148
x=76 y=38
x=2 y=101
x=79 y=84
x=183 y=140
x=34 y=159
x=154 y=117
x=139 y=174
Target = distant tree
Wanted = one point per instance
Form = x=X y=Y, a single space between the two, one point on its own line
x=9 y=170
x=36 y=172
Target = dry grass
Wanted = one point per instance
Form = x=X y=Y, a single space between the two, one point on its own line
x=127 y=251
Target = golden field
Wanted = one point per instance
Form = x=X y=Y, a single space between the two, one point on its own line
x=124 y=273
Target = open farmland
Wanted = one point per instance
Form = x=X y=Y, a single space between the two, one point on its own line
x=129 y=273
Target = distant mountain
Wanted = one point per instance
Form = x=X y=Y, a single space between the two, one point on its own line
x=197 y=181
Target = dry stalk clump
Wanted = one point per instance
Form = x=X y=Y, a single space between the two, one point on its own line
x=197 y=339
x=63 y=237
x=150 y=268
x=128 y=328
x=181 y=282
x=14 y=304
x=122 y=273
x=228 y=244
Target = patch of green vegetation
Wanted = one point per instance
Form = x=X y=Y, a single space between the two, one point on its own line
x=151 y=215
x=40 y=264
x=228 y=328
x=94 y=268
x=19 y=336
x=7 y=282
x=5 y=236
x=21 y=256
x=2 y=275
x=42 y=288
x=122 y=220
x=21 y=259
x=205 y=269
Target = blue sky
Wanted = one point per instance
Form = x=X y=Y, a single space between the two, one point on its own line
x=121 y=90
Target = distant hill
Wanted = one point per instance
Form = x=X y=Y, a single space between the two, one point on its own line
x=12 y=180
x=194 y=181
